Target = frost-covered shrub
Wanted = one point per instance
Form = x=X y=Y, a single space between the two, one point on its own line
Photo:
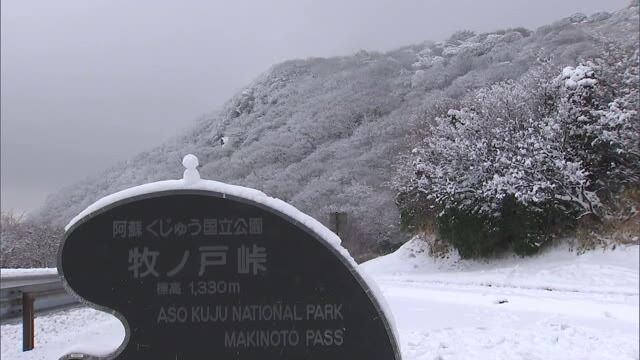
x=511 y=36
x=578 y=50
x=436 y=77
x=460 y=36
x=495 y=146
x=570 y=35
x=523 y=31
x=425 y=59
x=544 y=30
x=418 y=78
x=469 y=233
x=503 y=71
x=461 y=65
x=514 y=226
x=245 y=104
x=599 y=16
x=599 y=108
x=518 y=161
x=578 y=18
x=437 y=48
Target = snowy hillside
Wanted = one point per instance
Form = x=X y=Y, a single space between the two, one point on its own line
x=556 y=305
x=323 y=134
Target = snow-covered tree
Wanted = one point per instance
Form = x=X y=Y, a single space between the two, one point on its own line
x=543 y=143
x=25 y=243
x=499 y=144
x=598 y=109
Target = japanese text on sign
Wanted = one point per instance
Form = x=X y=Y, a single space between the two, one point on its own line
x=250 y=260
x=122 y=229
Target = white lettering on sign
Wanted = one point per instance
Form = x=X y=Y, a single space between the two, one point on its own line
x=324 y=312
x=212 y=256
x=168 y=288
x=251 y=260
x=261 y=338
x=127 y=229
x=211 y=226
x=270 y=312
x=327 y=337
x=172 y=314
x=143 y=262
x=254 y=312
x=224 y=227
x=119 y=229
x=123 y=229
x=214 y=287
x=203 y=314
x=195 y=288
x=181 y=265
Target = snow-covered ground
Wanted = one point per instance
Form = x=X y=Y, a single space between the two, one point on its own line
x=557 y=305
x=12 y=273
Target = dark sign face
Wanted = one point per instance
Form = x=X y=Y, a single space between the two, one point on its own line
x=201 y=275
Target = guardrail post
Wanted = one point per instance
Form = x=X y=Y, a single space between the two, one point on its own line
x=28 y=332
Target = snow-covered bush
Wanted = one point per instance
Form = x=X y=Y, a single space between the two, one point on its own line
x=599 y=16
x=598 y=108
x=494 y=146
x=459 y=36
x=517 y=227
x=499 y=148
x=502 y=168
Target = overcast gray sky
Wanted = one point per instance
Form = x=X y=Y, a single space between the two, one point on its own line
x=86 y=84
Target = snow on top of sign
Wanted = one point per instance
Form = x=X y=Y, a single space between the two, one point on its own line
x=192 y=181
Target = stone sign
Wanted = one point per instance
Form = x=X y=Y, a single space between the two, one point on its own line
x=195 y=273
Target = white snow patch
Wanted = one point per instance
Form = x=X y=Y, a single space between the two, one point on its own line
x=598 y=271
x=6 y=273
x=579 y=76
x=63 y=333
x=556 y=305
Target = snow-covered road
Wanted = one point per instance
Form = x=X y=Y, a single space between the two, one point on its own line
x=440 y=321
x=554 y=306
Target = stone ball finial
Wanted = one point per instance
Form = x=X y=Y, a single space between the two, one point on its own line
x=190 y=161
x=191 y=174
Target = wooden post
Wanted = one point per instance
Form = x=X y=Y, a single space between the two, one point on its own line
x=335 y=219
x=28 y=332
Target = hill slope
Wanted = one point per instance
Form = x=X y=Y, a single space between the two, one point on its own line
x=323 y=134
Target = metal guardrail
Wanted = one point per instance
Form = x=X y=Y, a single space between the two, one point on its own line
x=27 y=295
x=8 y=281
x=47 y=295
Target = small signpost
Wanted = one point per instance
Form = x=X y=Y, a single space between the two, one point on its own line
x=338 y=222
x=198 y=269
